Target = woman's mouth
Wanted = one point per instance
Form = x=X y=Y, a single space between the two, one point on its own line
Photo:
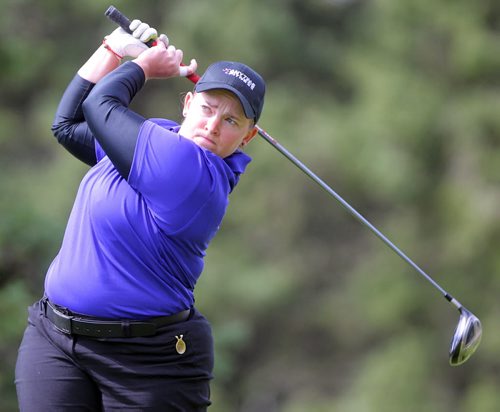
x=204 y=139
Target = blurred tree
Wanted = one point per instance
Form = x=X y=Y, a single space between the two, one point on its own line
x=395 y=104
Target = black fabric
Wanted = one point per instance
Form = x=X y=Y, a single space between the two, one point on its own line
x=113 y=124
x=60 y=372
x=69 y=125
x=89 y=112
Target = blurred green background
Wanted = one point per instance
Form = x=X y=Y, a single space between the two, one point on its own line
x=395 y=104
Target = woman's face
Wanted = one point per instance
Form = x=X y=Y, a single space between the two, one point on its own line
x=215 y=121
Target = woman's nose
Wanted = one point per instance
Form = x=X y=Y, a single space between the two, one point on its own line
x=213 y=124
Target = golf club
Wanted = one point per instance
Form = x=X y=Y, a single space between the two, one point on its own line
x=468 y=332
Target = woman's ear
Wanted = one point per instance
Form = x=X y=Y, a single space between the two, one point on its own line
x=250 y=135
x=188 y=98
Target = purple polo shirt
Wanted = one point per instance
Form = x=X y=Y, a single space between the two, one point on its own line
x=134 y=249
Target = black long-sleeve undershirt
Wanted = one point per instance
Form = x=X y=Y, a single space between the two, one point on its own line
x=113 y=124
x=87 y=112
x=69 y=125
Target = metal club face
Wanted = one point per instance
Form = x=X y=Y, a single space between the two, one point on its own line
x=466 y=338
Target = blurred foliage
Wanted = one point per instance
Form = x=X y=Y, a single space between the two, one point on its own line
x=395 y=104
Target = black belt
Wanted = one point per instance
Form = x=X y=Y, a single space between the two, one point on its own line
x=100 y=328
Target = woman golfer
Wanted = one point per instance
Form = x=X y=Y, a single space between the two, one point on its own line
x=116 y=328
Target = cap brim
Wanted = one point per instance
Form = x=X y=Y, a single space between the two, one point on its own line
x=247 y=108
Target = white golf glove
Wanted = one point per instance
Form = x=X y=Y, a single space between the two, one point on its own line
x=123 y=44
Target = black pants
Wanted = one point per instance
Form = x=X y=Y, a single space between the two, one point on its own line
x=57 y=372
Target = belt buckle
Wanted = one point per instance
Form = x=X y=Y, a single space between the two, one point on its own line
x=61 y=320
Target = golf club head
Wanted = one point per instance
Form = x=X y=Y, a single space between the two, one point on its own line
x=466 y=338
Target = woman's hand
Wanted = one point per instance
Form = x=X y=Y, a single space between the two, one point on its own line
x=123 y=44
x=161 y=62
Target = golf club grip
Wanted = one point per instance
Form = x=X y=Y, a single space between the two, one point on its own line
x=123 y=21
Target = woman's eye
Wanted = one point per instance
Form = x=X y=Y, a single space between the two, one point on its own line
x=231 y=121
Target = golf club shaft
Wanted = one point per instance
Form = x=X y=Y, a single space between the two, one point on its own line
x=354 y=212
x=118 y=17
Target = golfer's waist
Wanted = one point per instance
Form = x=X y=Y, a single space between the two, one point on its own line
x=76 y=324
